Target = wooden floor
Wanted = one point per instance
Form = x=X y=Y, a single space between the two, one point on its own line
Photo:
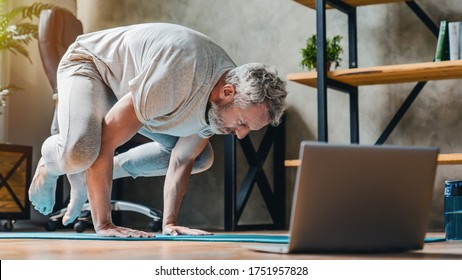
x=12 y=249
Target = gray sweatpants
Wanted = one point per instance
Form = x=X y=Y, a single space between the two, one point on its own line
x=84 y=100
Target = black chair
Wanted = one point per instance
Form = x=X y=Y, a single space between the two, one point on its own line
x=58 y=28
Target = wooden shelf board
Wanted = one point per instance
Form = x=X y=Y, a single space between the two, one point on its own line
x=443 y=159
x=291 y=162
x=403 y=73
x=354 y=3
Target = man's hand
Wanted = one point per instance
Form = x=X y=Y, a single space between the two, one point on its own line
x=177 y=230
x=115 y=231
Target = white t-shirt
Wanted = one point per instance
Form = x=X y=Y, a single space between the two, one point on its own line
x=169 y=69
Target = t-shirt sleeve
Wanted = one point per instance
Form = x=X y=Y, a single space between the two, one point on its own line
x=162 y=86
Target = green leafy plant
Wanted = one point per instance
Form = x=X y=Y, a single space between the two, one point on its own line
x=333 y=51
x=17 y=30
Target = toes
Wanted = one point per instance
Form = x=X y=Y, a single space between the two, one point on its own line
x=74 y=209
x=42 y=210
x=46 y=210
x=72 y=213
x=67 y=219
x=45 y=207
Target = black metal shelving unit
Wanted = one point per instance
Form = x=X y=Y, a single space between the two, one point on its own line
x=323 y=82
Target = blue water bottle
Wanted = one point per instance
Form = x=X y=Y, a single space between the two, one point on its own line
x=453 y=210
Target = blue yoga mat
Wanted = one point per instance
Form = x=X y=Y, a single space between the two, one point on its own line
x=256 y=238
x=277 y=239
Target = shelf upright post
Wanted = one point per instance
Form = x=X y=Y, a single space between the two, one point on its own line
x=321 y=69
x=230 y=182
x=350 y=11
x=353 y=63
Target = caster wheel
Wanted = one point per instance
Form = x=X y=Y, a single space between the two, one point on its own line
x=51 y=225
x=80 y=226
x=8 y=226
x=155 y=225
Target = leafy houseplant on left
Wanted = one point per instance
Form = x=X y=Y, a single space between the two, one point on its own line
x=17 y=30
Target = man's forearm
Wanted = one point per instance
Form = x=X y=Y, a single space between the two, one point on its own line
x=119 y=125
x=176 y=183
x=99 y=183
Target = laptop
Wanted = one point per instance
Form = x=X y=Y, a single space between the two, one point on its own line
x=357 y=198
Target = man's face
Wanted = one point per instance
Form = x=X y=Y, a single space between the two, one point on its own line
x=232 y=119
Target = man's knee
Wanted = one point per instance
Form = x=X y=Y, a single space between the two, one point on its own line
x=79 y=156
x=204 y=161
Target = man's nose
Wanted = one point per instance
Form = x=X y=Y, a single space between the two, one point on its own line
x=242 y=132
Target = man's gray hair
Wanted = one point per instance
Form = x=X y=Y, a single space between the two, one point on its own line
x=257 y=83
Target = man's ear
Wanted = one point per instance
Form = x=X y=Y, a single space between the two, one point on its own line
x=227 y=94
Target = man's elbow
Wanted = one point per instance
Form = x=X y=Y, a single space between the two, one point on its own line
x=204 y=161
x=198 y=163
x=182 y=160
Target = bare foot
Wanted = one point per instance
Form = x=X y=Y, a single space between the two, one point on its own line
x=42 y=189
x=78 y=196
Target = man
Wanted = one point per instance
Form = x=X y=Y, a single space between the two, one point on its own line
x=170 y=84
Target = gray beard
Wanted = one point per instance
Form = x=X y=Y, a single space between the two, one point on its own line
x=216 y=119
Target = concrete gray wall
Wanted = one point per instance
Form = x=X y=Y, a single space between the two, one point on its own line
x=274 y=31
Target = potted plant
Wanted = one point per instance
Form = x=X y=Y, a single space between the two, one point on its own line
x=333 y=51
x=17 y=30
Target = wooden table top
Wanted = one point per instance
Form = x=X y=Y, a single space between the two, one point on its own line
x=23 y=249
